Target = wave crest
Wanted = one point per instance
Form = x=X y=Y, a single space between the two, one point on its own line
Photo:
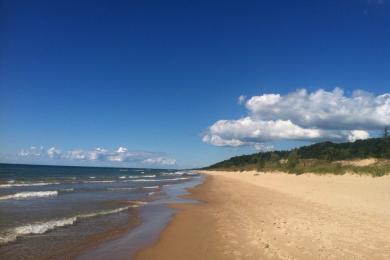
x=43 y=227
x=29 y=194
x=23 y=184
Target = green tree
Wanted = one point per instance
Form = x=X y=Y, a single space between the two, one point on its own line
x=386 y=133
x=260 y=164
x=275 y=159
x=386 y=143
x=292 y=160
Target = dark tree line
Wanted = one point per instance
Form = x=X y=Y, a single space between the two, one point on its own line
x=328 y=151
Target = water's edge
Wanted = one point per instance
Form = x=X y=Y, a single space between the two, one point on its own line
x=153 y=219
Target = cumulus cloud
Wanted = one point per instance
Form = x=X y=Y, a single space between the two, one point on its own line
x=323 y=109
x=53 y=152
x=300 y=115
x=120 y=155
x=33 y=151
x=160 y=160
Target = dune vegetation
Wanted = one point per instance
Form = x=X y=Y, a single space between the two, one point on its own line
x=321 y=158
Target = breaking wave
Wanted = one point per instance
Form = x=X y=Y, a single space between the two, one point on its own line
x=117 y=189
x=27 y=184
x=29 y=194
x=172 y=179
x=98 y=181
x=142 y=176
x=151 y=187
x=43 y=227
x=179 y=173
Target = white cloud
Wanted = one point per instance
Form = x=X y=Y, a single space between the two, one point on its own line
x=75 y=155
x=357 y=134
x=122 y=150
x=241 y=99
x=219 y=141
x=300 y=115
x=160 y=160
x=53 y=152
x=248 y=131
x=33 y=151
x=324 y=110
x=264 y=147
x=120 y=155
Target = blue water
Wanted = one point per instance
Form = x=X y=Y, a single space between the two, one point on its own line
x=54 y=207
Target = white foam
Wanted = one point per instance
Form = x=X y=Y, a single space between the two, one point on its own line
x=68 y=189
x=172 y=179
x=137 y=203
x=105 y=212
x=141 y=176
x=29 y=194
x=149 y=176
x=43 y=227
x=142 y=180
x=27 y=184
x=115 y=189
x=169 y=173
x=151 y=187
x=179 y=173
x=122 y=177
x=98 y=181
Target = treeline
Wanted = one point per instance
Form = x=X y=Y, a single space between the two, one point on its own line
x=318 y=157
x=374 y=147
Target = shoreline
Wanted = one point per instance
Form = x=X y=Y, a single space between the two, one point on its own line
x=100 y=238
x=169 y=244
x=153 y=217
x=279 y=216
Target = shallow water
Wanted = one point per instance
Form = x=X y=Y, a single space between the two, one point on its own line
x=45 y=209
x=154 y=217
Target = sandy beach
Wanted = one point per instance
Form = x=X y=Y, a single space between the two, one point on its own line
x=251 y=215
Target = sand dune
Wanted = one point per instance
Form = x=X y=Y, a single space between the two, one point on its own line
x=281 y=216
x=359 y=163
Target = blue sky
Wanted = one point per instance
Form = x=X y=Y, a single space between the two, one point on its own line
x=153 y=76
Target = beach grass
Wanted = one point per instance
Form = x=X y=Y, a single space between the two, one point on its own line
x=316 y=166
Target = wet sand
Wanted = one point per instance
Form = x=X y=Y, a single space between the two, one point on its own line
x=152 y=217
x=280 y=216
x=100 y=238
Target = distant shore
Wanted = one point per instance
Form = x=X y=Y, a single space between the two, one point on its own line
x=249 y=215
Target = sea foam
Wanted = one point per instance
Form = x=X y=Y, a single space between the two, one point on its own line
x=43 y=227
x=104 y=181
x=141 y=176
x=27 y=184
x=29 y=194
x=172 y=179
x=151 y=187
x=179 y=173
x=117 y=189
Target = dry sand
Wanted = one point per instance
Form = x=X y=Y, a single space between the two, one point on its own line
x=359 y=163
x=280 y=216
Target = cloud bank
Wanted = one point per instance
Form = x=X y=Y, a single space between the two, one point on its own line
x=120 y=155
x=300 y=115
